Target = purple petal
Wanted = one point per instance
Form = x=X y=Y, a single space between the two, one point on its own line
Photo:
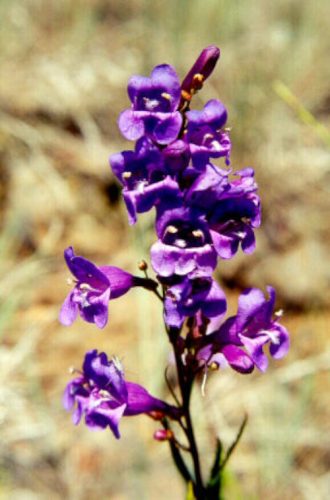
x=102 y=417
x=255 y=349
x=142 y=200
x=120 y=281
x=167 y=260
x=279 y=349
x=172 y=313
x=165 y=76
x=140 y=401
x=105 y=374
x=85 y=271
x=97 y=312
x=136 y=85
x=69 y=311
x=248 y=242
x=73 y=388
x=78 y=411
x=250 y=303
x=238 y=359
x=118 y=162
x=131 y=125
x=215 y=304
x=168 y=127
x=226 y=246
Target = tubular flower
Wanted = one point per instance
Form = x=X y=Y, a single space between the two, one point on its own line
x=94 y=287
x=232 y=208
x=154 y=112
x=145 y=177
x=184 y=246
x=241 y=338
x=103 y=396
x=205 y=134
x=187 y=297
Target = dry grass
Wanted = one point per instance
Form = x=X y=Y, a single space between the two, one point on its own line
x=64 y=69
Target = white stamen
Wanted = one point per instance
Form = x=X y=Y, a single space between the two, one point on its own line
x=171 y=229
x=85 y=287
x=116 y=361
x=166 y=96
x=198 y=233
x=204 y=380
x=141 y=185
x=207 y=136
x=272 y=335
x=279 y=313
x=150 y=104
x=180 y=243
x=216 y=145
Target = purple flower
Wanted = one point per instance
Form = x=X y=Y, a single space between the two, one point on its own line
x=235 y=215
x=187 y=297
x=200 y=71
x=205 y=134
x=176 y=157
x=145 y=176
x=222 y=355
x=94 y=287
x=241 y=338
x=255 y=327
x=184 y=246
x=155 y=102
x=207 y=188
x=102 y=395
x=231 y=207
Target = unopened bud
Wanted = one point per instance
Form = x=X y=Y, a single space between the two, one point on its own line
x=163 y=435
x=200 y=71
x=156 y=415
x=142 y=265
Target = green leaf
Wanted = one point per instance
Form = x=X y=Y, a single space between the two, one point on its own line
x=213 y=488
x=179 y=462
x=235 y=443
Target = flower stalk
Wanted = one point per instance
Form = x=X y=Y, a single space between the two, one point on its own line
x=205 y=211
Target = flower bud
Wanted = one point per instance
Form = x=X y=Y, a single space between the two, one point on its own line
x=163 y=435
x=200 y=71
x=142 y=265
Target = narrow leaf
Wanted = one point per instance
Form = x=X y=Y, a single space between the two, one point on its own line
x=235 y=443
x=214 y=484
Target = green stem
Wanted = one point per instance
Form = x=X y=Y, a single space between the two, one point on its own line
x=185 y=384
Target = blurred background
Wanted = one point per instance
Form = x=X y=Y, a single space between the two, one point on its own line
x=64 y=70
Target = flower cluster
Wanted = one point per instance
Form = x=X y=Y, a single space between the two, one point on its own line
x=205 y=211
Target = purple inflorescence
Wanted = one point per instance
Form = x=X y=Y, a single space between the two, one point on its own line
x=204 y=211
